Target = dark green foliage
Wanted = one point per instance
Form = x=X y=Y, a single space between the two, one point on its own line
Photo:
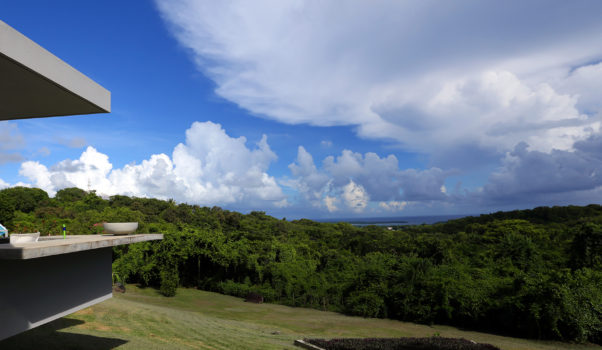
x=7 y=208
x=24 y=199
x=120 y=201
x=365 y=303
x=169 y=280
x=565 y=305
x=534 y=273
x=586 y=249
x=433 y=343
x=230 y=287
x=70 y=195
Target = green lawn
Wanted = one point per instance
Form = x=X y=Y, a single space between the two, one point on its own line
x=142 y=319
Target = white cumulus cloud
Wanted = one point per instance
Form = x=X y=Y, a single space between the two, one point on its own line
x=331 y=203
x=355 y=197
x=209 y=168
x=393 y=205
x=359 y=180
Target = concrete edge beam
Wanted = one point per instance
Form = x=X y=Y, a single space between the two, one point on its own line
x=27 y=53
x=56 y=245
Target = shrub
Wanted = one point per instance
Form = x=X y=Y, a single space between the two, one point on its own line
x=230 y=287
x=365 y=304
x=169 y=281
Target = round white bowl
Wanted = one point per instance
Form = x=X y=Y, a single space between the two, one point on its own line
x=120 y=228
x=24 y=237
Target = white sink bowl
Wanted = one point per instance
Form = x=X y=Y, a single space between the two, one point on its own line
x=24 y=237
x=120 y=228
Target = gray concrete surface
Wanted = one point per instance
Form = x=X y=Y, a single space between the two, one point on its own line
x=56 y=245
x=35 y=83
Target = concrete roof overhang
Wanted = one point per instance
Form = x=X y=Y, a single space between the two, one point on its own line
x=34 y=83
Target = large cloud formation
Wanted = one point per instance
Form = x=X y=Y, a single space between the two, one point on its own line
x=470 y=84
x=444 y=79
x=210 y=168
x=532 y=176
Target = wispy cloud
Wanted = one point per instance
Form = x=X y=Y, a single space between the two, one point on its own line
x=326 y=143
x=75 y=142
x=11 y=140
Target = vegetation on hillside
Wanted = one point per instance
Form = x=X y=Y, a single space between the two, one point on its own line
x=533 y=273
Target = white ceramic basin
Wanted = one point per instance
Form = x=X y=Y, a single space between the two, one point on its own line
x=24 y=237
x=120 y=228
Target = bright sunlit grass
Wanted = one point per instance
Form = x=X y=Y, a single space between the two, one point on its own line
x=193 y=319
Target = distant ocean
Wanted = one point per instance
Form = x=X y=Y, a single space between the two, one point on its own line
x=394 y=221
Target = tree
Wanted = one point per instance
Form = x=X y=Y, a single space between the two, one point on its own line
x=69 y=195
x=586 y=249
x=25 y=199
x=7 y=208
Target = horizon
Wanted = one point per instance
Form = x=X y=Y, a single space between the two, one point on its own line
x=321 y=110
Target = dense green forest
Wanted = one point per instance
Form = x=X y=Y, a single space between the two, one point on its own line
x=532 y=273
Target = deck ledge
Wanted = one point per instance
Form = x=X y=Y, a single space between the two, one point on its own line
x=56 y=245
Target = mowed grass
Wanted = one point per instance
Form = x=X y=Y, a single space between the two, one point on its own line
x=143 y=319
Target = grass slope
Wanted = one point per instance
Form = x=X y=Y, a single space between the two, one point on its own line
x=142 y=319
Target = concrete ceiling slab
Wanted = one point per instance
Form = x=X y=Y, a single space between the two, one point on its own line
x=34 y=83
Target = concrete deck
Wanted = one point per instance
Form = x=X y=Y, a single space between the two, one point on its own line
x=56 y=245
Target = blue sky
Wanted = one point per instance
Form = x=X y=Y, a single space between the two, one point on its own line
x=319 y=109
